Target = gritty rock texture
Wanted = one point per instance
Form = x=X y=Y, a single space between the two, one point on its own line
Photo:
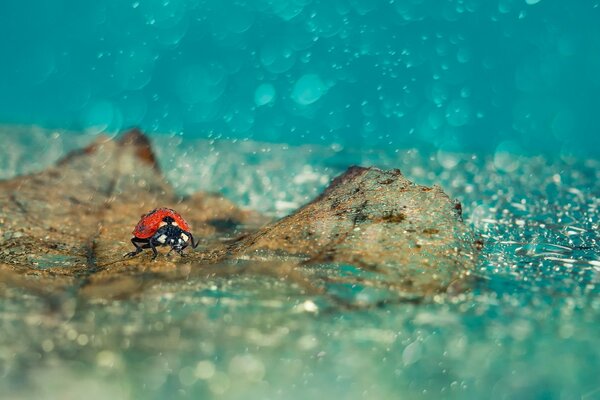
x=378 y=221
x=69 y=226
x=72 y=223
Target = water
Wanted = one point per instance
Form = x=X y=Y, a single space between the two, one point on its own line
x=466 y=75
x=265 y=101
x=529 y=329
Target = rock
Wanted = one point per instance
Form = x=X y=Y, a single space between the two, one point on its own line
x=369 y=227
x=378 y=221
x=86 y=206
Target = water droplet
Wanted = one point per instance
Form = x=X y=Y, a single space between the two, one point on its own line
x=506 y=157
x=277 y=57
x=412 y=353
x=308 y=89
x=100 y=116
x=204 y=369
x=264 y=94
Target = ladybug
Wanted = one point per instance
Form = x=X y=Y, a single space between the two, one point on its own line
x=161 y=227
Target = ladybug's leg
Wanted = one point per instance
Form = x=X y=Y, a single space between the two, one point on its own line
x=153 y=249
x=169 y=253
x=185 y=245
x=194 y=245
x=138 y=249
x=179 y=250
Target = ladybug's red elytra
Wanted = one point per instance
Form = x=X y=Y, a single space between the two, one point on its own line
x=162 y=227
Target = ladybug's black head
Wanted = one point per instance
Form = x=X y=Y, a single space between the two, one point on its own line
x=168 y=220
x=169 y=234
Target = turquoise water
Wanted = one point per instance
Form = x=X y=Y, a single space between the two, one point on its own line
x=528 y=330
x=463 y=75
x=265 y=101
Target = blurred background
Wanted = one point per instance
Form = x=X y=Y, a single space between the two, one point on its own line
x=266 y=101
x=518 y=76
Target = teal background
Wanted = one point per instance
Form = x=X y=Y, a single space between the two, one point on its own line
x=520 y=76
x=500 y=80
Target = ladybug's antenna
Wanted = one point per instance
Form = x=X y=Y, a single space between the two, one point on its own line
x=194 y=245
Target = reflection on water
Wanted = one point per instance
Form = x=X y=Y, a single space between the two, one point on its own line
x=529 y=329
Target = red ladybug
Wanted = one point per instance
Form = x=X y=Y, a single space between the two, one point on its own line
x=161 y=227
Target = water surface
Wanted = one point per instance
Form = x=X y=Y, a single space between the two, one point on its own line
x=528 y=329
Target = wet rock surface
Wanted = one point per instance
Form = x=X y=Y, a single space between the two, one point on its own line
x=409 y=237
x=68 y=227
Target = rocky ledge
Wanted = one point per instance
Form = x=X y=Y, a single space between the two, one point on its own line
x=67 y=228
